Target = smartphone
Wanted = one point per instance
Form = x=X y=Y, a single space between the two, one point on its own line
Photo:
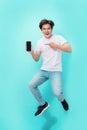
x=28 y=45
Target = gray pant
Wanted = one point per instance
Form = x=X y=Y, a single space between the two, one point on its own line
x=40 y=78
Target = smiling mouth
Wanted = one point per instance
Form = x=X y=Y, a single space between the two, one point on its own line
x=47 y=34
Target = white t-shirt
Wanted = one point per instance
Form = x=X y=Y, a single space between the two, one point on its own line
x=51 y=57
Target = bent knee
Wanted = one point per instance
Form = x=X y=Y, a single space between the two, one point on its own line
x=32 y=85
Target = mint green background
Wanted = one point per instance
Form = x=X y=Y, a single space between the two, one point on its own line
x=19 y=22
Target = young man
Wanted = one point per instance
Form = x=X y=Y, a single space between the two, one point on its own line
x=50 y=46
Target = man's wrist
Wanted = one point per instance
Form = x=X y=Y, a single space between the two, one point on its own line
x=59 y=46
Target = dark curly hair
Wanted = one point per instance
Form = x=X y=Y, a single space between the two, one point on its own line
x=45 y=21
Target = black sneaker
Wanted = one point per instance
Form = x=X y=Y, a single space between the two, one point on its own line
x=65 y=105
x=41 y=109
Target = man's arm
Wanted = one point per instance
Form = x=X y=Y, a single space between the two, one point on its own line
x=65 y=47
x=36 y=55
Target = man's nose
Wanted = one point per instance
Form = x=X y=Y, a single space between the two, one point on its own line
x=46 y=30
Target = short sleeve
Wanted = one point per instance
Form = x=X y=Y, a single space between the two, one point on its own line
x=38 y=46
x=61 y=39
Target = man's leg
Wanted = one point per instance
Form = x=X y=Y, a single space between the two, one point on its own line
x=56 y=82
x=38 y=79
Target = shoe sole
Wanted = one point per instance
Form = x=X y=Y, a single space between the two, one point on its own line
x=43 y=110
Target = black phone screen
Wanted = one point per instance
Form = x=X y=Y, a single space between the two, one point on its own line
x=28 y=45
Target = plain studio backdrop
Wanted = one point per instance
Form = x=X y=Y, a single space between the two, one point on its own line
x=19 y=22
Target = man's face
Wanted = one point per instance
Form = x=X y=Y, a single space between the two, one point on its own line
x=47 y=30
